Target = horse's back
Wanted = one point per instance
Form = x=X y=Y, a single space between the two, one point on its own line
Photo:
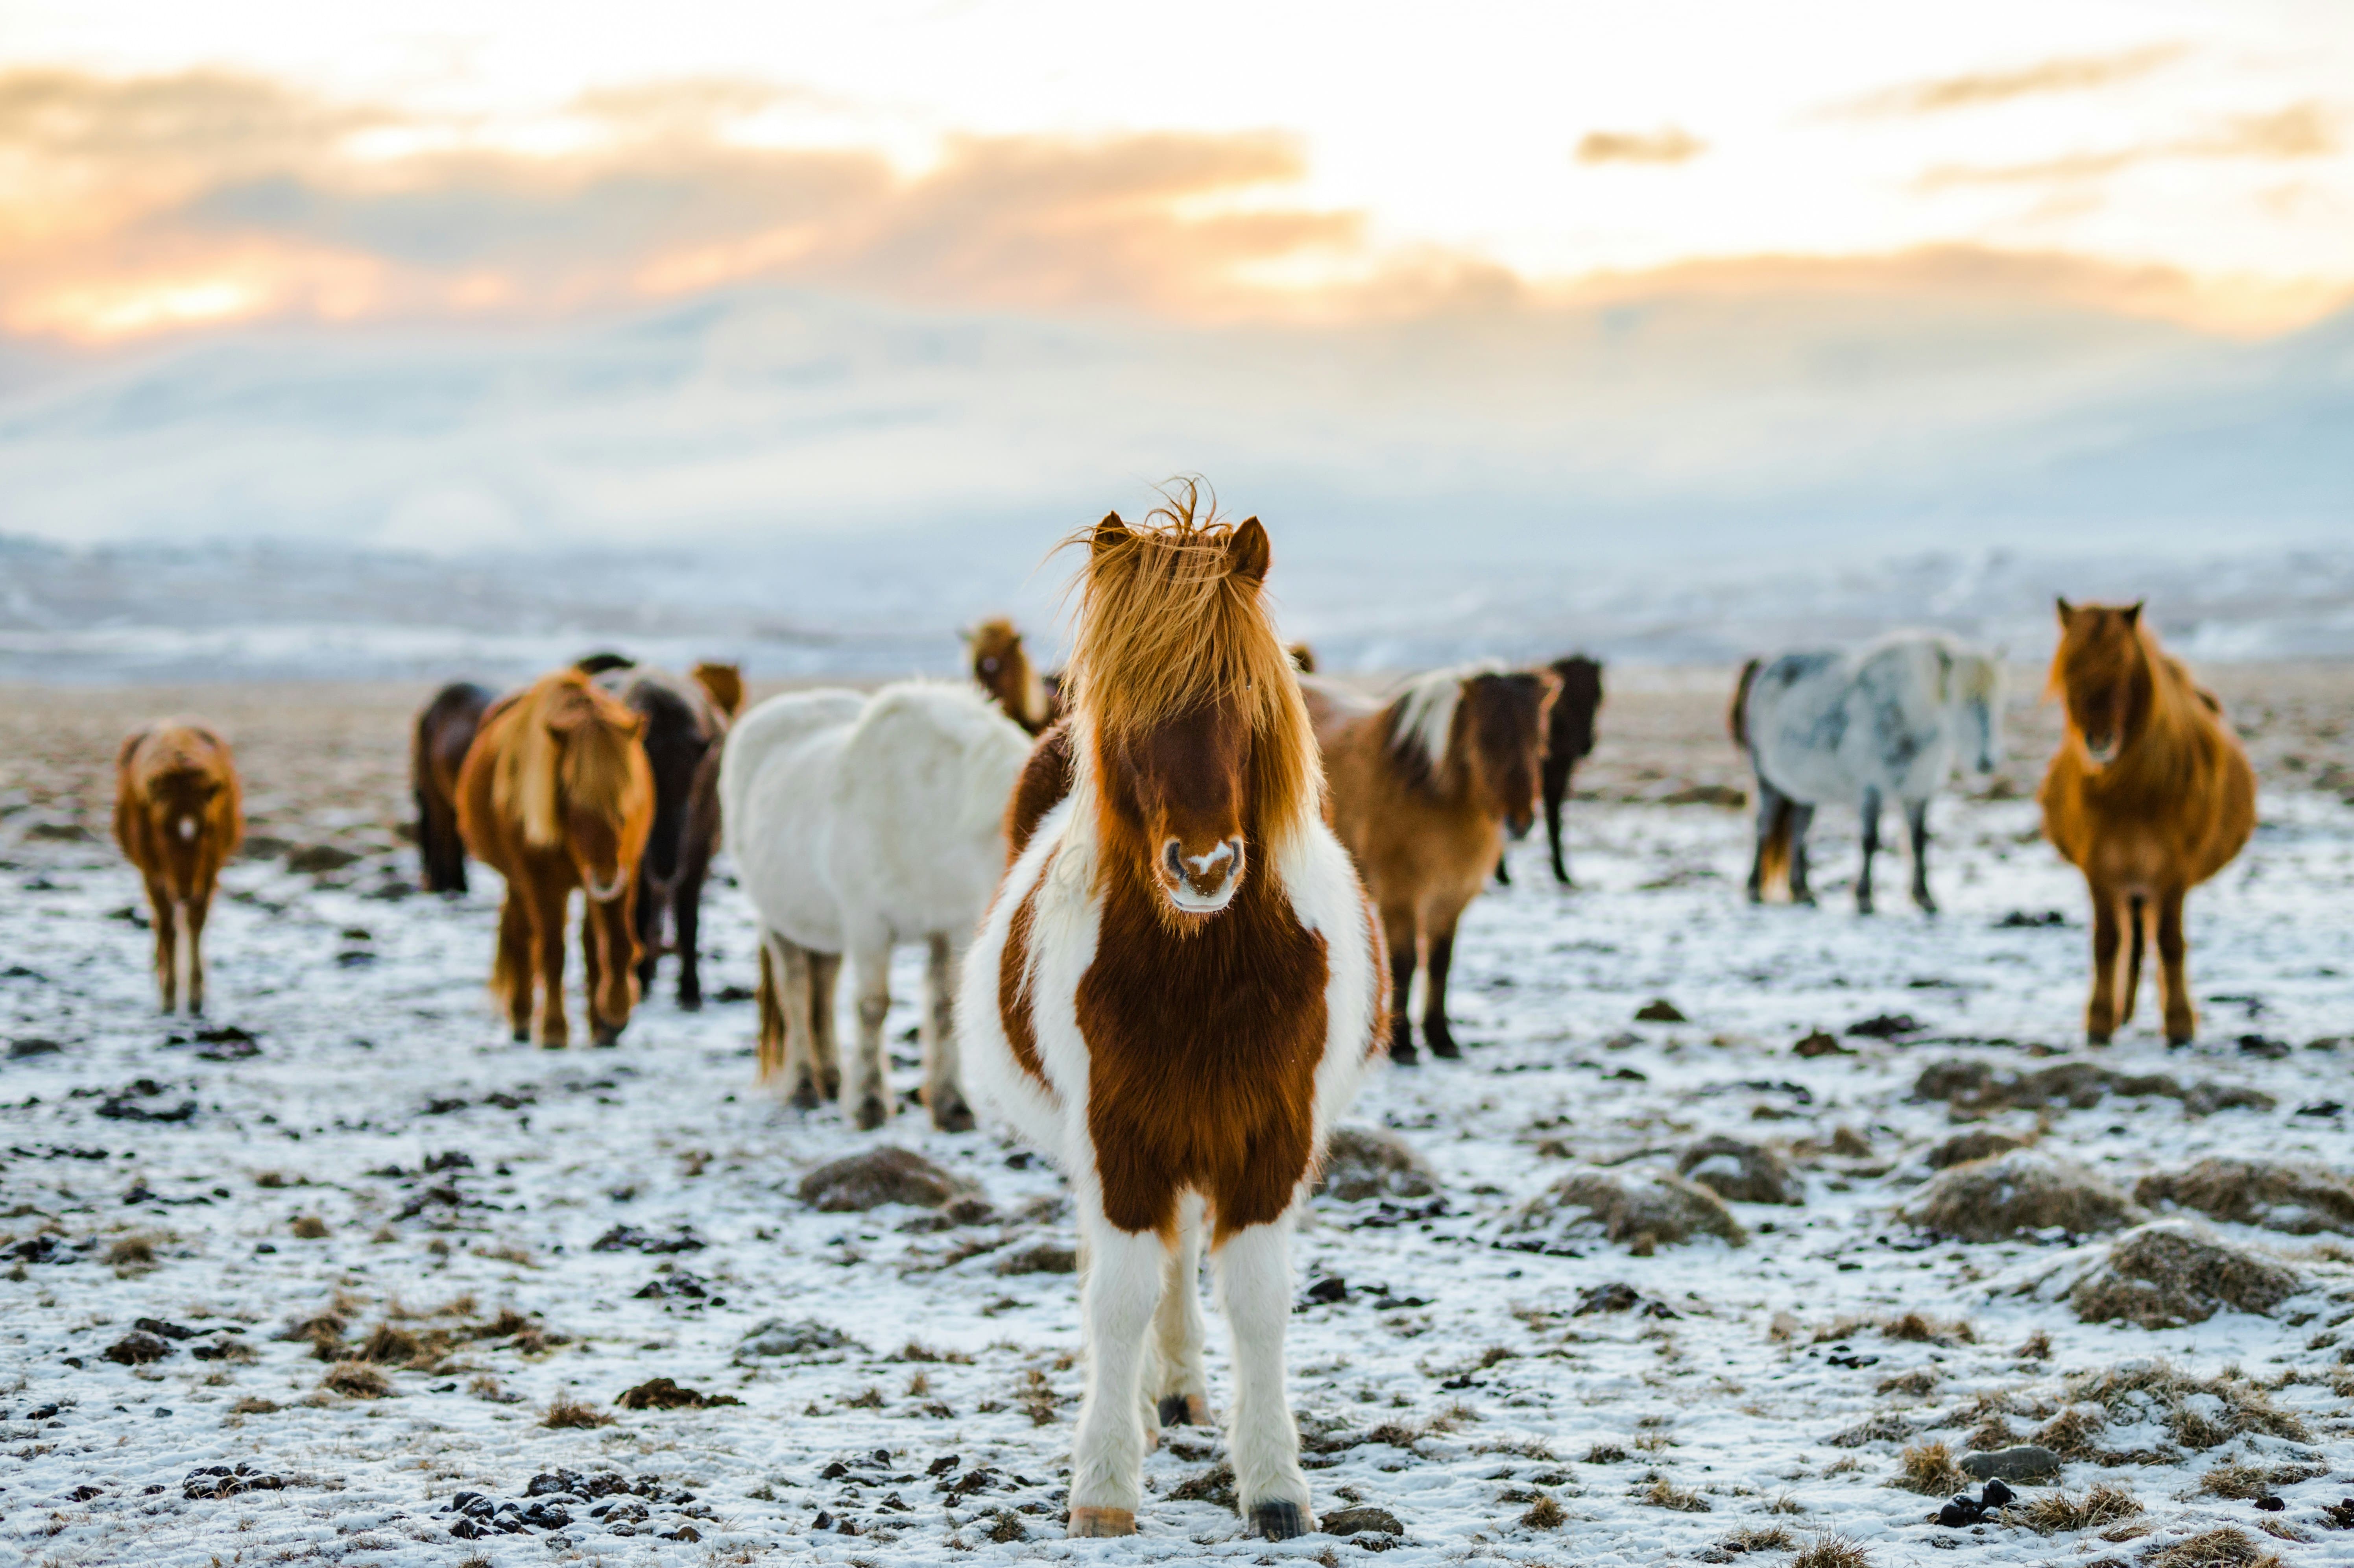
x=921 y=791
x=773 y=725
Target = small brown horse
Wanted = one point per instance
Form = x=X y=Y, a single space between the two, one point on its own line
x=1002 y=665
x=179 y=813
x=556 y=794
x=2148 y=796
x=1425 y=787
x=685 y=721
x=445 y=728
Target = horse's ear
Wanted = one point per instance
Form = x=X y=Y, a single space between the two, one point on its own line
x=1248 y=551
x=2067 y=612
x=2132 y=614
x=1108 y=532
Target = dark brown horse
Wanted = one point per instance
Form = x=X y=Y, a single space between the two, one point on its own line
x=555 y=795
x=684 y=722
x=1569 y=739
x=445 y=728
x=1425 y=787
x=178 y=815
x=2148 y=796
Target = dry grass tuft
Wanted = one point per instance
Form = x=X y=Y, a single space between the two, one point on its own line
x=2036 y=1347
x=131 y=1252
x=253 y=1406
x=1663 y=1493
x=1831 y=1552
x=1753 y=1538
x=357 y=1379
x=2226 y=1547
x=2056 y=1514
x=1544 y=1513
x=2239 y=1481
x=565 y=1411
x=2301 y=1199
x=2167 y=1274
x=2142 y=1390
x=2025 y=1190
x=1929 y=1468
x=309 y=1227
x=1919 y=1327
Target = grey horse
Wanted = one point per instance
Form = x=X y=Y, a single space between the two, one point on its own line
x=1886 y=721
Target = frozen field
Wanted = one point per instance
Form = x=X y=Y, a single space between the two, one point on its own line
x=401 y=1243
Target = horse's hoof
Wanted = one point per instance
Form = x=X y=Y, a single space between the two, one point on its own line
x=2096 y=1037
x=955 y=1117
x=2174 y=1039
x=1097 y=1521
x=1184 y=1410
x=805 y=1096
x=831 y=1082
x=872 y=1113
x=523 y=1036
x=1403 y=1052
x=1863 y=906
x=690 y=1002
x=1445 y=1047
x=1281 y=1521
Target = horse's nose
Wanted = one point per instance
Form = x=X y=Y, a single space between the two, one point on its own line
x=1518 y=823
x=1201 y=883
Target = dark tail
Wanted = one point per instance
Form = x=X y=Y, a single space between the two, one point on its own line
x=1738 y=720
x=439 y=847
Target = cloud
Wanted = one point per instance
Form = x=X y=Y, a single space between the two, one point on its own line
x=1667 y=145
x=2079 y=73
x=2300 y=130
x=153 y=202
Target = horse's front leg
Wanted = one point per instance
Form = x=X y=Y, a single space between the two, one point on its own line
x=1124 y=1278
x=1182 y=1396
x=192 y=933
x=1255 y=1286
x=1917 y=822
x=2181 y=1019
x=511 y=970
x=1556 y=788
x=943 y=1088
x=1802 y=818
x=163 y=914
x=825 y=969
x=1435 y=1034
x=2101 y=1013
x=548 y=898
x=868 y=1092
x=1398 y=929
x=607 y=936
x=1868 y=809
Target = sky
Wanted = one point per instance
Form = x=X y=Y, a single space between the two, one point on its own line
x=1510 y=255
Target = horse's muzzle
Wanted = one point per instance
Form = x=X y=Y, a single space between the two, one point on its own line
x=606 y=892
x=1202 y=883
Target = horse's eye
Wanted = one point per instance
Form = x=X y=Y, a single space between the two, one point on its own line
x=990 y=664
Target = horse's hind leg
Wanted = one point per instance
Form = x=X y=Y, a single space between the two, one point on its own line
x=2100 y=1014
x=2137 y=937
x=786 y=965
x=192 y=939
x=1125 y=1274
x=1801 y=819
x=1255 y=1285
x=1868 y=809
x=163 y=914
x=867 y=1094
x=1773 y=850
x=1398 y=928
x=2174 y=986
x=1182 y=1397
x=825 y=969
x=943 y=1090
x=1917 y=820
x=770 y=1047
x=1556 y=788
x=1435 y=1034
x=511 y=981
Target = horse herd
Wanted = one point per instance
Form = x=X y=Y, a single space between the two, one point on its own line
x=1174 y=898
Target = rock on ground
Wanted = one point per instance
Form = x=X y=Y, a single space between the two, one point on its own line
x=1640 y=1209
x=1977 y=1143
x=1363 y=1162
x=1984 y=1088
x=2301 y=1199
x=2023 y=1462
x=2024 y=1189
x=2174 y=1272
x=880 y=1176
x=1740 y=1172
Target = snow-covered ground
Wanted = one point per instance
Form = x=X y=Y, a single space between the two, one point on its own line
x=919 y=1404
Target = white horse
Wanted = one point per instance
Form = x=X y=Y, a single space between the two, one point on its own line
x=1889 y=720
x=858 y=823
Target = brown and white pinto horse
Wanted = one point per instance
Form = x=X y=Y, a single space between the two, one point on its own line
x=2148 y=796
x=556 y=794
x=1002 y=666
x=178 y=814
x=1425 y=787
x=445 y=728
x=1174 y=992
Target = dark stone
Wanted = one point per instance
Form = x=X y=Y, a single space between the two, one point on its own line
x=2025 y=1462
x=136 y=1350
x=886 y=1175
x=1660 y=1010
x=1362 y=1521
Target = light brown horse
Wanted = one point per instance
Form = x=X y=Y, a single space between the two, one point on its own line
x=179 y=813
x=2148 y=796
x=1425 y=787
x=1002 y=665
x=1174 y=992
x=556 y=794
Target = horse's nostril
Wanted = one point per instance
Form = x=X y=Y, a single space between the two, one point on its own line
x=1173 y=858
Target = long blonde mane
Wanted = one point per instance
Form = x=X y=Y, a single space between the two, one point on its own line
x=1164 y=625
x=536 y=774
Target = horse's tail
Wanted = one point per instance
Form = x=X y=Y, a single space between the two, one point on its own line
x=1738 y=719
x=1774 y=853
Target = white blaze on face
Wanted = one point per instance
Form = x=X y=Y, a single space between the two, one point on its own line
x=187 y=829
x=1202 y=883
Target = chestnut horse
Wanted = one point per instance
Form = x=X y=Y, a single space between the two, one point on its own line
x=179 y=813
x=1425 y=787
x=1002 y=666
x=2148 y=796
x=556 y=794
x=685 y=722
x=445 y=728
x=1176 y=989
